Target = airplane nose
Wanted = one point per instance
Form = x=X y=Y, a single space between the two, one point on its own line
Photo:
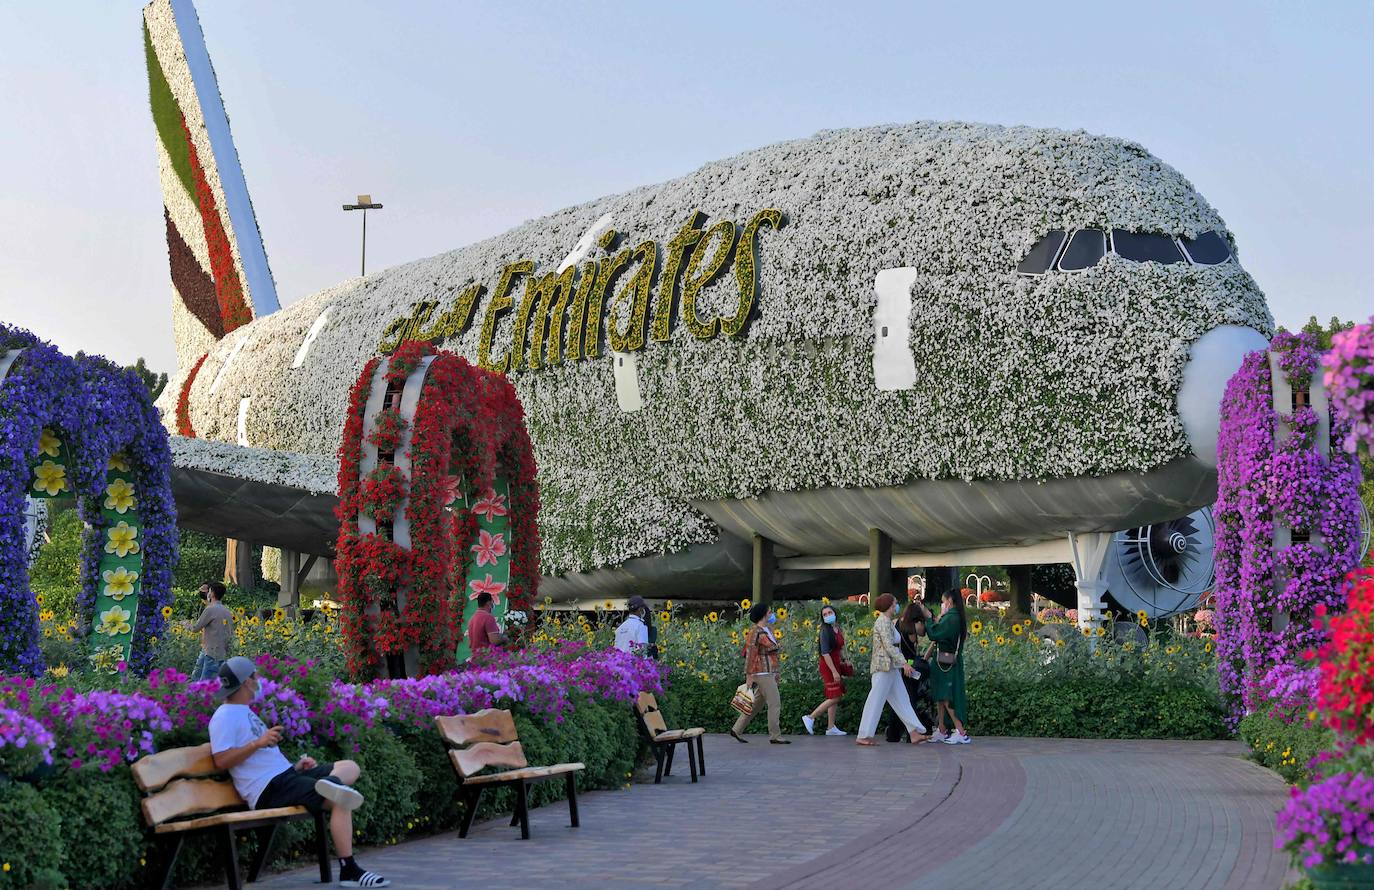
x=1214 y=357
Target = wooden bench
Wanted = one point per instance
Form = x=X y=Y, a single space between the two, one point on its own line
x=488 y=738
x=664 y=741
x=185 y=793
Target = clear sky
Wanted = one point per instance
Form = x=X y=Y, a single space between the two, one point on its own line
x=466 y=119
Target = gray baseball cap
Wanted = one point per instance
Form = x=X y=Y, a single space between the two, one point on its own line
x=232 y=675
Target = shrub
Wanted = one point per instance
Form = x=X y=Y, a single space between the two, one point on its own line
x=31 y=840
x=1287 y=746
x=389 y=782
x=55 y=573
x=102 y=828
x=202 y=559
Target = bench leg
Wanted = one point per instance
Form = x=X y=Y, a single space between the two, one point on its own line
x=571 y=781
x=164 y=879
x=668 y=770
x=266 y=835
x=692 y=760
x=523 y=809
x=658 y=759
x=229 y=854
x=701 y=756
x=322 y=850
x=472 y=796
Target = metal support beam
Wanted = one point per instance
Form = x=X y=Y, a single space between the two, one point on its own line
x=765 y=567
x=879 y=564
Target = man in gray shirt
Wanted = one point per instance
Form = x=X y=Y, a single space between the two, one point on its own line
x=216 y=626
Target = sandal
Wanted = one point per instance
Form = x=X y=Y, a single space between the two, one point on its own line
x=867 y=743
x=918 y=739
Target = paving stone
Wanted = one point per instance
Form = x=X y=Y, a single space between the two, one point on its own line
x=824 y=812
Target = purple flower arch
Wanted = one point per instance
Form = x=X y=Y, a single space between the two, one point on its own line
x=1261 y=484
x=100 y=409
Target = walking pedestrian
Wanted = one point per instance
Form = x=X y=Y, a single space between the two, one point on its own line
x=834 y=668
x=761 y=667
x=947 y=671
x=216 y=626
x=887 y=667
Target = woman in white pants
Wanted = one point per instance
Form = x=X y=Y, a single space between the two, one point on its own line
x=887 y=666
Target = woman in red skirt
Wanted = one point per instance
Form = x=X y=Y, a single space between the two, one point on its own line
x=834 y=669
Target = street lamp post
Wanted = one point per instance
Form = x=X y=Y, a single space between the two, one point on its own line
x=364 y=204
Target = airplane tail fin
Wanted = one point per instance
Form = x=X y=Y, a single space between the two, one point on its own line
x=220 y=276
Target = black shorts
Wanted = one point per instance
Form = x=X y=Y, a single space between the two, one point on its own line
x=295 y=788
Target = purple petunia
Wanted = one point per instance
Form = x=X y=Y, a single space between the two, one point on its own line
x=1330 y=822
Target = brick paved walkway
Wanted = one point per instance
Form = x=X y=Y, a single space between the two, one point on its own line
x=826 y=813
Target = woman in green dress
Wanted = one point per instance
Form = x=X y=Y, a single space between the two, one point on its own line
x=947 y=670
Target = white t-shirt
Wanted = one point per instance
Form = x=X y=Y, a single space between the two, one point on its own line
x=234 y=726
x=632 y=634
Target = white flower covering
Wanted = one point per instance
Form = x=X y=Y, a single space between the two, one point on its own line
x=1017 y=378
x=314 y=473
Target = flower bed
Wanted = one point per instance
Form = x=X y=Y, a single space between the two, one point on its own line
x=570 y=703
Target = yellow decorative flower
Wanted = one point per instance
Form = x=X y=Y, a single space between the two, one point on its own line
x=166 y=611
x=1087 y=631
x=114 y=622
x=123 y=539
x=975 y=627
x=668 y=605
x=1207 y=647
x=745 y=604
x=863 y=650
x=1171 y=649
x=983 y=642
x=119 y=496
x=782 y=614
x=1101 y=631
x=119 y=582
x=1144 y=622
x=278 y=614
x=608 y=604
x=1142 y=615
x=825 y=601
x=1017 y=629
x=48 y=443
x=38 y=598
x=119 y=461
x=713 y=617
x=1001 y=640
x=60 y=671
x=784 y=656
x=47 y=631
x=1059 y=644
x=50 y=478
x=665 y=616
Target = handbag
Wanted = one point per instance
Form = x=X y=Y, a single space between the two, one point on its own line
x=846 y=669
x=743 y=700
x=948 y=659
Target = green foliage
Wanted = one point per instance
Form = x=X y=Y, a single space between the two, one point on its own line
x=202 y=559
x=389 y=781
x=102 y=829
x=155 y=381
x=1056 y=581
x=1088 y=707
x=30 y=840
x=56 y=571
x=1285 y=747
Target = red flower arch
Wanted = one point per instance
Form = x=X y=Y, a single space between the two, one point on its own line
x=424 y=426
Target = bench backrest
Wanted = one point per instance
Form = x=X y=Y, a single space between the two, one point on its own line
x=647 y=706
x=486 y=738
x=174 y=784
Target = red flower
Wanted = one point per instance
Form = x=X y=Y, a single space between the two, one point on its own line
x=451 y=488
x=486 y=585
x=491 y=504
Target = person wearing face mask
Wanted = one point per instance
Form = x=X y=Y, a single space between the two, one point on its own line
x=834 y=668
x=761 y=663
x=242 y=745
x=912 y=626
x=887 y=667
x=947 y=670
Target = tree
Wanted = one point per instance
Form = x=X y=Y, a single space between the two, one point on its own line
x=1323 y=335
x=154 y=381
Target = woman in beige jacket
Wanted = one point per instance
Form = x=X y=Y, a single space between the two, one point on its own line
x=887 y=666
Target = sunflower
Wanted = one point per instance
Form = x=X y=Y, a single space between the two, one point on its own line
x=1017 y=629
x=1207 y=647
x=784 y=656
x=863 y=650
x=983 y=642
x=745 y=604
x=1087 y=631
x=665 y=617
x=975 y=627
x=825 y=601
x=166 y=611
x=1001 y=640
x=782 y=614
x=1059 y=644
x=1101 y=631
x=713 y=617
x=1142 y=615
x=1144 y=622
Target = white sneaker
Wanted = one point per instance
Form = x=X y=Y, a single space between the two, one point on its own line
x=342 y=796
x=810 y=723
x=960 y=738
x=835 y=730
x=938 y=736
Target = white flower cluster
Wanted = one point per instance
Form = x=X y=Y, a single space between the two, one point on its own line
x=314 y=473
x=1017 y=378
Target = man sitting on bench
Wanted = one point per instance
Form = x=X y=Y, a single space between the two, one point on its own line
x=243 y=745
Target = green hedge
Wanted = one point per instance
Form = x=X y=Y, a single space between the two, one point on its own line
x=1084 y=708
x=84 y=829
x=1285 y=747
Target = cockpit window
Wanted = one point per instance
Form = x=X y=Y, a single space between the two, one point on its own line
x=1086 y=248
x=1207 y=249
x=1042 y=255
x=1143 y=247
